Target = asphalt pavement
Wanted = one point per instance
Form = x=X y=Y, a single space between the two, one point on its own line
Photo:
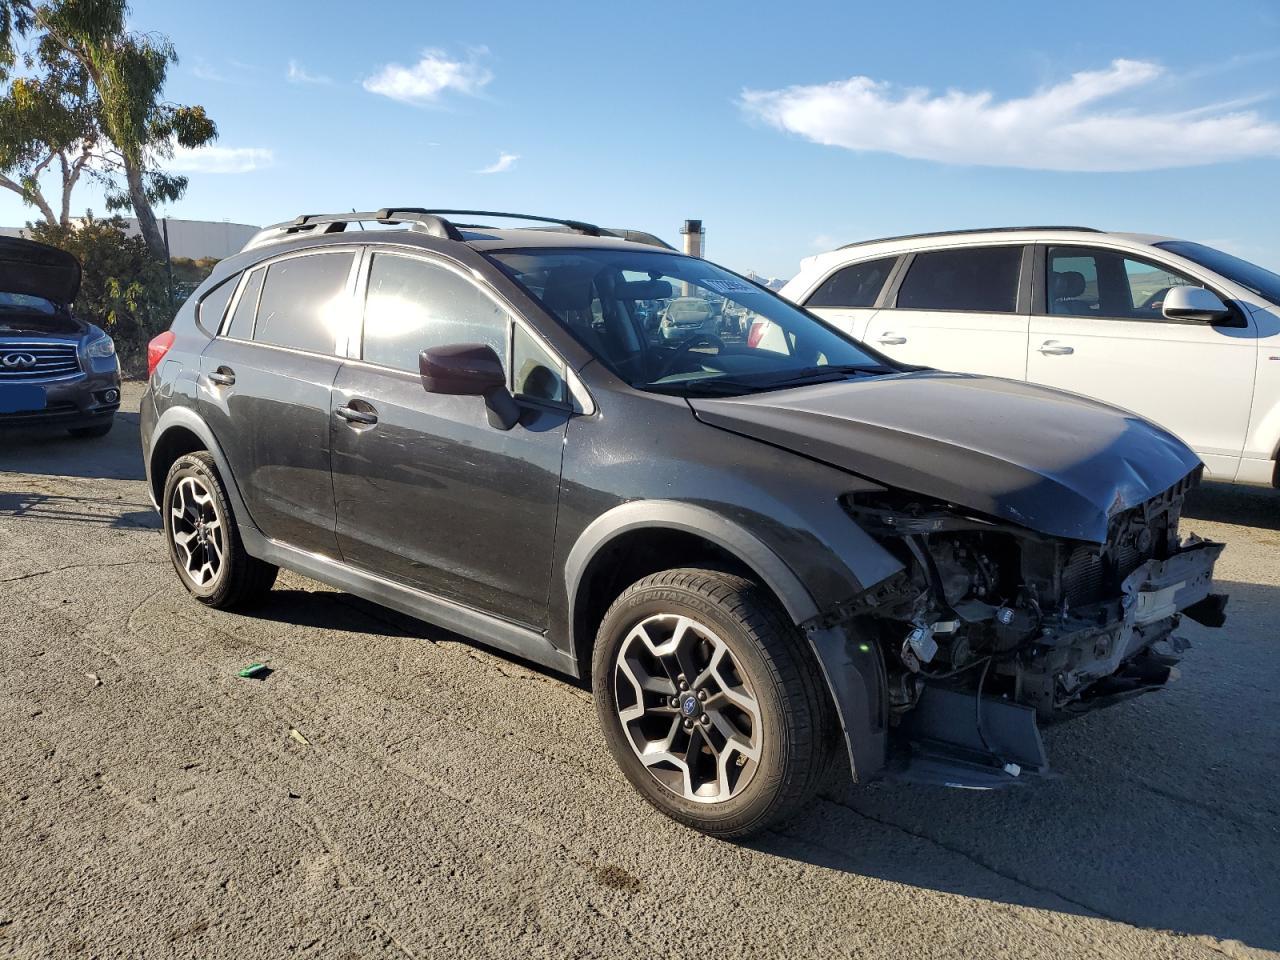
x=390 y=789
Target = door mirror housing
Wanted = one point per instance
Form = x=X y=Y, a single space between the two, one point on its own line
x=1194 y=303
x=470 y=370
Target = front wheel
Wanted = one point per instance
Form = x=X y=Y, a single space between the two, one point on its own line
x=204 y=543
x=710 y=702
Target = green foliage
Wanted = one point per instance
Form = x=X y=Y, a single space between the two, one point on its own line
x=100 y=84
x=123 y=289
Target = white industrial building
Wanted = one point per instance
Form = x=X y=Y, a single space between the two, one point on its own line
x=188 y=238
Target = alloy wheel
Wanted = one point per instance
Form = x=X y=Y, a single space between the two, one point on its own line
x=688 y=711
x=197 y=531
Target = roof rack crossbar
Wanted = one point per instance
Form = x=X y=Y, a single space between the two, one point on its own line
x=432 y=222
x=590 y=229
x=958 y=233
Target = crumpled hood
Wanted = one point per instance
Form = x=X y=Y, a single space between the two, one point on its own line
x=38 y=270
x=1053 y=462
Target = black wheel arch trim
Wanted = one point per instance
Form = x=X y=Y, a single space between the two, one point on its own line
x=188 y=419
x=854 y=676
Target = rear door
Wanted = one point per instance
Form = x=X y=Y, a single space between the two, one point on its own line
x=847 y=298
x=1098 y=330
x=961 y=308
x=264 y=390
x=428 y=493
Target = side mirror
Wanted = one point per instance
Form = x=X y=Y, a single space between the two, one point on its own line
x=470 y=370
x=1194 y=303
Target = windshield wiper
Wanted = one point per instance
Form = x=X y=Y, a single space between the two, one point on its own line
x=712 y=386
x=826 y=374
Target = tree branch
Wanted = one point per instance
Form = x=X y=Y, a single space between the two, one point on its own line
x=33 y=196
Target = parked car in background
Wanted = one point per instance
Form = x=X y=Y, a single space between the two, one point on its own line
x=56 y=371
x=1178 y=332
x=685 y=316
x=758 y=556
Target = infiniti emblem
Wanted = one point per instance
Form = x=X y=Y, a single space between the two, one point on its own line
x=18 y=361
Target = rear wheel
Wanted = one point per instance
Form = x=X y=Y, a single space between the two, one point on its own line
x=710 y=702
x=204 y=543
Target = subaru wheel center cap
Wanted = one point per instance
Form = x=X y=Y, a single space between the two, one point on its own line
x=689 y=705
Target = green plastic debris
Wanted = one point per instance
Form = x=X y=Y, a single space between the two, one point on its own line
x=255 y=671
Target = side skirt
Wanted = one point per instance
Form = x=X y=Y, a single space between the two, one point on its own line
x=506 y=636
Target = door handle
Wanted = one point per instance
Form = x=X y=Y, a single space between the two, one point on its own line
x=892 y=339
x=223 y=377
x=352 y=415
x=1052 y=348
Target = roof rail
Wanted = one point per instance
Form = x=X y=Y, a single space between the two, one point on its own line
x=590 y=229
x=957 y=233
x=432 y=222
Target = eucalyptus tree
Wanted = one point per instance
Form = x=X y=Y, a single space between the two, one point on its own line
x=82 y=56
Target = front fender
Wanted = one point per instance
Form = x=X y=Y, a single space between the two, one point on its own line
x=853 y=672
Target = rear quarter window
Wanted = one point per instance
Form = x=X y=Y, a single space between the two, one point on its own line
x=213 y=306
x=857 y=285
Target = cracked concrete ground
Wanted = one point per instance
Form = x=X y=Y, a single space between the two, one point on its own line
x=448 y=801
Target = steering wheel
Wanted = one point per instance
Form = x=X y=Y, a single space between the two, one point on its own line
x=683 y=348
x=1155 y=301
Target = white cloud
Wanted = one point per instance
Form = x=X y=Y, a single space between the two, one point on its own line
x=1063 y=127
x=298 y=74
x=504 y=163
x=431 y=77
x=216 y=159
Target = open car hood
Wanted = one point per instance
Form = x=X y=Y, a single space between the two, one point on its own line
x=38 y=270
x=1054 y=462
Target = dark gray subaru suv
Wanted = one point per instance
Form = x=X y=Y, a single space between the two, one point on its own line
x=758 y=554
x=56 y=370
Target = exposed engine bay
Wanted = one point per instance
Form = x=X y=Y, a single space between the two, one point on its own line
x=991 y=627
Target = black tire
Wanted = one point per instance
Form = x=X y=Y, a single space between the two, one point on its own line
x=240 y=580
x=89 y=433
x=773 y=660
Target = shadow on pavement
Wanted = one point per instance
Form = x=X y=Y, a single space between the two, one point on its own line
x=1162 y=813
x=117 y=456
x=1235 y=503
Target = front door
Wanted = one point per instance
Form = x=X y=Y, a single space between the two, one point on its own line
x=1100 y=331
x=959 y=309
x=428 y=493
x=264 y=391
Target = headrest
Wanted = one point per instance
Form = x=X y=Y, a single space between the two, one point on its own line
x=567 y=288
x=643 y=290
x=688 y=308
x=1068 y=284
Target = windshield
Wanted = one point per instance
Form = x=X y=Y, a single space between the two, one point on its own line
x=676 y=324
x=25 y=303
x=1248 y=275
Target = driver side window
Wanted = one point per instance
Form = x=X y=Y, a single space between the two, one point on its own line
x=1085 y=282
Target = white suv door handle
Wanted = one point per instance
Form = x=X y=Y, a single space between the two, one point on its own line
x=891 y=339
x=1052 y=348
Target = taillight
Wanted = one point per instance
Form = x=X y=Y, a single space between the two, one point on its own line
x=755 y=334
x=156 y=350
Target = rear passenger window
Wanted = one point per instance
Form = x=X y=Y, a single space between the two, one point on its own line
x=854 y=286
x=304 y=302
x=981 y=279
x=412 y=305
x=246 y=307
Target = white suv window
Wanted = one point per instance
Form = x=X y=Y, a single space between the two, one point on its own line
x=857 y=285
x=1090 y=282
x=967 y=279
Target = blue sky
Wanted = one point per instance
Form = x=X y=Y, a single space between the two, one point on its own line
x=787 y=127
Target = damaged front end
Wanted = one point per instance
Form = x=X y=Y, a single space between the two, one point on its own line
x=992 y=627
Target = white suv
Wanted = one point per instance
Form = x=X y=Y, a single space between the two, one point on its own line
x=1178 y=332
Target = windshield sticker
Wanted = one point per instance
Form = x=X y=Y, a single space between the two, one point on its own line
x=727 y=286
